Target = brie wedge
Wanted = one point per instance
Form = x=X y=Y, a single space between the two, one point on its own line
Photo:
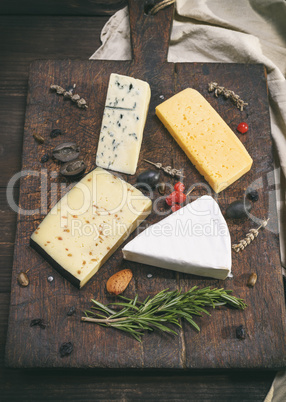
x=193 y=240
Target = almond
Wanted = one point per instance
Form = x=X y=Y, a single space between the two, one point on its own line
x=118 y=282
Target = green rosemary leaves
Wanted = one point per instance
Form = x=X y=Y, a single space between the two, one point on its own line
x=166 y=307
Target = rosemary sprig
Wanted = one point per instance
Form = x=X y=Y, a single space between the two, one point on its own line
x=166 y=307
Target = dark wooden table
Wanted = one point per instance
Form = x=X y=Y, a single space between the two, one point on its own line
x=50 y=29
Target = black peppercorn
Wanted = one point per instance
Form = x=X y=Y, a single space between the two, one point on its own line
x=71 y=311
x=252 y=195
x=45 y=158
x=38 y=322
x=66 y=349
x=55 y=133
x=240 y=332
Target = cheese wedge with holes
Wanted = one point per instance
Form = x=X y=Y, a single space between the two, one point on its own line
x=123 y=123
x=209 y=143
x=194 y=240
x=88 y=224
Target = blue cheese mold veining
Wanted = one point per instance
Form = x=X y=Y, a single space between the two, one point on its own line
x=123 y=123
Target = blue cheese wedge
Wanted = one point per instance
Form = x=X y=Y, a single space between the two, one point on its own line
x=194 y=240
x=123 y=123
x=88 y=224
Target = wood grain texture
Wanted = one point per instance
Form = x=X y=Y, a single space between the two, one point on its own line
x=215 y=346
x=80 y=385
x=262 y=256
x=131 y=385
x=24 y=39
x=64 y=7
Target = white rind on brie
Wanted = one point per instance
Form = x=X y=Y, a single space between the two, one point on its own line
x=193 y=240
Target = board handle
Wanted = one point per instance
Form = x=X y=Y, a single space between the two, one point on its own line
x=150 y=34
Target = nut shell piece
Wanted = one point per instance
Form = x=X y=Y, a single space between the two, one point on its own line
x=66 y=152
x=252 y=280
x=118 y=282
x=23 y=279
x=73 y=168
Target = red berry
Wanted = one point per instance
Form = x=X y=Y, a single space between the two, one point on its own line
x=242 y=127
x=175 y=207
x=179 y=187
x=180 y=197
x=170 y=200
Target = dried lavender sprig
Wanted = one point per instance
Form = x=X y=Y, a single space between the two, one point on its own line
x=251 y=235
x=227 y=93
x=81 y=103
x=167 y=169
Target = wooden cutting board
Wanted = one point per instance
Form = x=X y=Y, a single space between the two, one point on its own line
x=216 y=345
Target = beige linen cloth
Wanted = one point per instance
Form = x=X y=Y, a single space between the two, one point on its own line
x=245 y=31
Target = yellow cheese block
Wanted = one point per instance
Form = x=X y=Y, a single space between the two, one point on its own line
x=206 y=139
x=88 y=224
